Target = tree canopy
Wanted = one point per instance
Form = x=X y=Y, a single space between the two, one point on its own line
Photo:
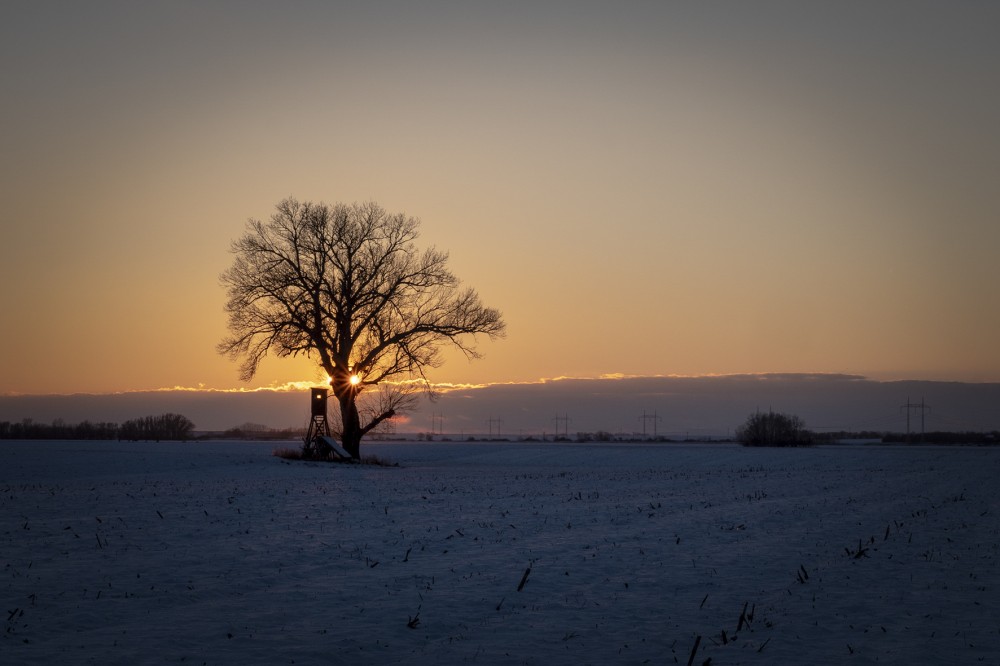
x=347 y=286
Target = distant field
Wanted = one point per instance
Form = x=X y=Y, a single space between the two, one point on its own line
x=499 y=553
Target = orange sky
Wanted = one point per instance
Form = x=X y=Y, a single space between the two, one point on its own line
x=641 y=190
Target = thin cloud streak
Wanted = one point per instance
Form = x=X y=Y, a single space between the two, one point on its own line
x=448 y=387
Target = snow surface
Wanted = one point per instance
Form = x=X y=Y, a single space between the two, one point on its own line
x=123 y=553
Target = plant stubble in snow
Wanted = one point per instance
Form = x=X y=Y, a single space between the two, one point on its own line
x=499 y=553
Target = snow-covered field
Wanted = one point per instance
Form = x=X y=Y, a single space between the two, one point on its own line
x=499 y=554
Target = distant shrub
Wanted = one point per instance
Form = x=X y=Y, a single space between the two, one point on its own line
x=773 y=429
x=287 y=453
x=378 y=461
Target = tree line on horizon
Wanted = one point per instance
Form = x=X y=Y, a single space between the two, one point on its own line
x=257 y=431
x=58 y=429
x=759 y=430
x=147 y=428
x=162 y=427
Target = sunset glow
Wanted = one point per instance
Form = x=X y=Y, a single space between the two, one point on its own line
x=641 y=189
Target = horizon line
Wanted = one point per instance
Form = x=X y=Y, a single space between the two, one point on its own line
x=449 y=387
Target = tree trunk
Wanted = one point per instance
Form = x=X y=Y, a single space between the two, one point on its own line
x=351 y=421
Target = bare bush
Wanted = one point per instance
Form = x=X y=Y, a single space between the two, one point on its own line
x=773 y=429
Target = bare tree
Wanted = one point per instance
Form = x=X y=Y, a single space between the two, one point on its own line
x=346 y=285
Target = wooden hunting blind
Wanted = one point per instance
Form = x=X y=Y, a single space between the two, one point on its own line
x=318 y=441
x=319 y=396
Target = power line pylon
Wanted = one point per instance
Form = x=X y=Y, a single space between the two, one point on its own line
x=910 y=407
x=565 y=421
x=646 y=417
